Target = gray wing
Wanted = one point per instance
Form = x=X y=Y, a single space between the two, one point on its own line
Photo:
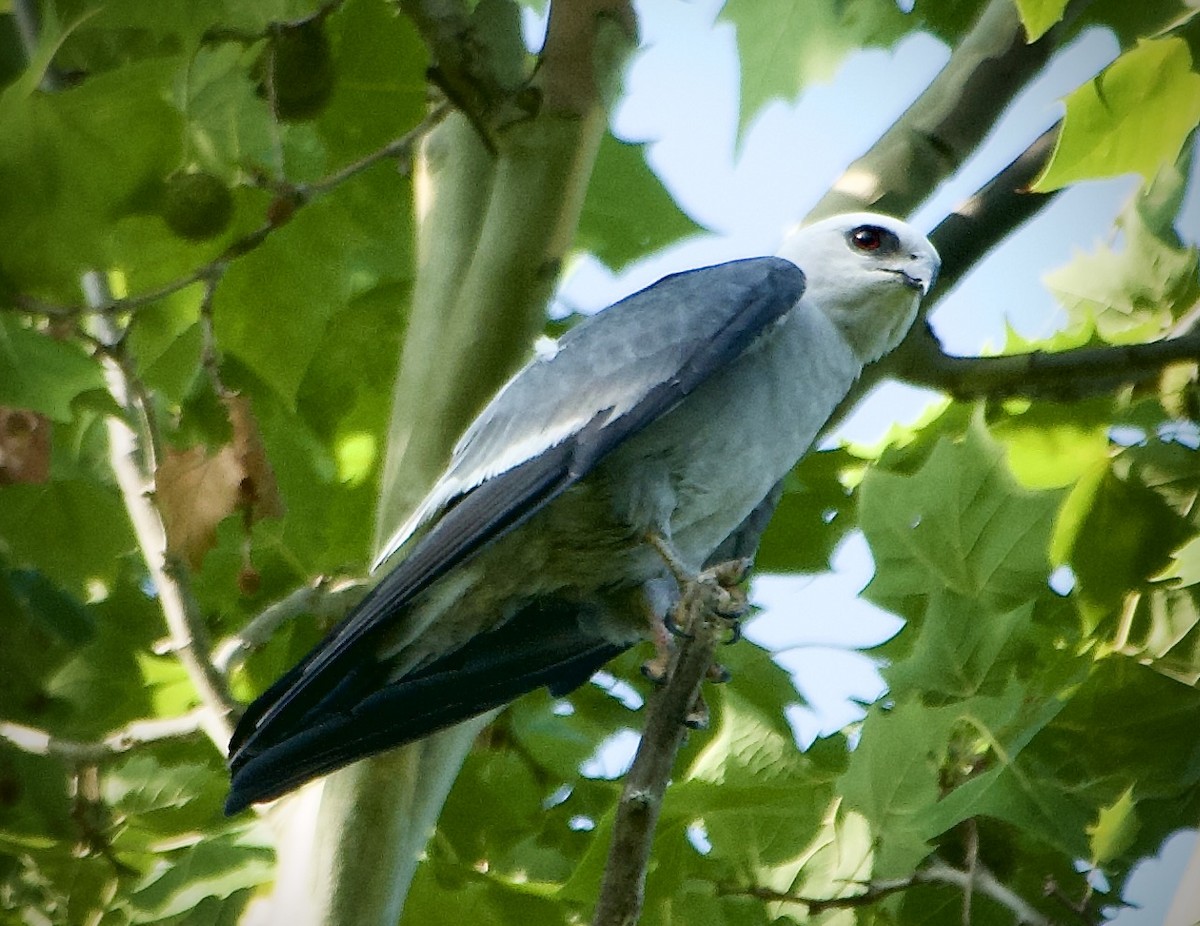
x=604 y=366
x=687 y=326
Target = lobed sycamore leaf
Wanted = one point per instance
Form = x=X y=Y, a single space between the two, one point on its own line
x=783 y=48
x=960 y=523
x=627 y=212
x=1132 y=118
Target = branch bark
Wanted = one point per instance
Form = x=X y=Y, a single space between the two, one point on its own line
x=622 y=890
x=134 y=471
x=949 y=119
x=1064 y=376
x=140 y=732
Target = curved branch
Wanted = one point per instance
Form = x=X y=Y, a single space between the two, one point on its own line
x=1065 y=375
x=132 y=465
x=990 y=215
x=949 y=119
x=936 y=872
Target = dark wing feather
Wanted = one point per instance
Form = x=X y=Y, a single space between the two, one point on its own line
x=535 y=648
x=751 y=294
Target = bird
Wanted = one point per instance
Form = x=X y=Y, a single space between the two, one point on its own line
x=651 y=438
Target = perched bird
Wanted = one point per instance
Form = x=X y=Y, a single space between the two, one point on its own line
x=663 y=422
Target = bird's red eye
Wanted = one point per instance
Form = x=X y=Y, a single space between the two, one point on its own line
x=873 y=238
x=867 y=238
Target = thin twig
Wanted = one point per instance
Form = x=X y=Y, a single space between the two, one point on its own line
x=400 y=149
x=136 y=482
x=986 y=883
x=872 y=892
x=622 y=890
x=1079 y=909
x=972 y=867
x=321 y=598
x=210 y=352
x=937 y=872
x=211 y=273
x=138 y=733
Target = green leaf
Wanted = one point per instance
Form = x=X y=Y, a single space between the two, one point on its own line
x=959 y=648
x=1115 y=534
x=1164 y=632
x=42 y=373
x=816 y=511
x=1037 y=16
x=1049 y=445
x=949 y=20
x=1114 y=830
x=757 y=795
x=785 y=47
x=1185 y=564
x=1134 y=293
x=35 y=519
x=627 y=213
x=1024 y=794
x=893 y=777
x=213 y=867
x=79 y=167
x=1133 y=118
x=59 y=612
x=960 y=523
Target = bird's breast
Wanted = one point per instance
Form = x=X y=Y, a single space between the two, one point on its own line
x=697 y=472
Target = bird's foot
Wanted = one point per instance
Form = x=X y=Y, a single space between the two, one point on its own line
x=660 y=634
x=714 y=594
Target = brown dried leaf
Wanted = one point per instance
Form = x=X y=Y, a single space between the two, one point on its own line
x=197 y=490
x=24 y=446
x=259 y=490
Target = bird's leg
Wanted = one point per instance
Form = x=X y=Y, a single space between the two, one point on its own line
x=713 y=593
x=660 y=635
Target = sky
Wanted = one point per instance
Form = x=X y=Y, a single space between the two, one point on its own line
x=681 y=98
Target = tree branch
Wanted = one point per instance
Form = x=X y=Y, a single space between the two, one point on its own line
x=990 y=215
x=135 y=478
x=322 y=598
x=289 y=198
x=622 y=890
x=1063 y=376
x=140 y=732
x=462 y=67
x=948 y=120
x=936 y=872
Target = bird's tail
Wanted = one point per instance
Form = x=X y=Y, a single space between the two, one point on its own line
x=551 y=643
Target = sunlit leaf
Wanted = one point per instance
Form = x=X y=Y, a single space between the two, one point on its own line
x=1039 y=15
x=1133 y=118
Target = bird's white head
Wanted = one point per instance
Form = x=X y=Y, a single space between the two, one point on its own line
x=867 y=272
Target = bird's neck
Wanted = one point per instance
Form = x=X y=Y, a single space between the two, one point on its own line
x=872 y=322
